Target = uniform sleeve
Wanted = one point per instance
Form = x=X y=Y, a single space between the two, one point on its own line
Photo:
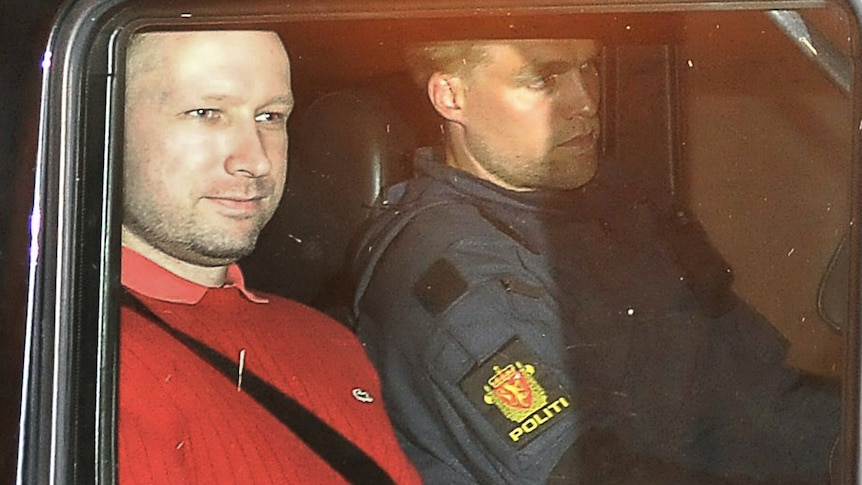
x=769 y=421
x=466 y=330
x=466 y=340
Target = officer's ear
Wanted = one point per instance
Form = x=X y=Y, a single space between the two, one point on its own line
x=446 y=92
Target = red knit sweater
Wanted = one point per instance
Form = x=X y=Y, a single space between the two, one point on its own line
x=182 y=422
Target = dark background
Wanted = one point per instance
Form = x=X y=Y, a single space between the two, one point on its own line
x=24 y=27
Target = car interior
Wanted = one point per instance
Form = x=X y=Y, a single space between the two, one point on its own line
x=739 y=115
x=702 y=108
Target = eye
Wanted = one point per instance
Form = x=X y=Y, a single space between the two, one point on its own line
x=589 y=67
x=204 y=113
x=544 y=82
x=271 y=117
x=272 y=120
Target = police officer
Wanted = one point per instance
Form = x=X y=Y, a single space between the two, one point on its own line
x=535 y=317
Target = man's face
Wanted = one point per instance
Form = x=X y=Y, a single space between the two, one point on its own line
x=530 y=113
x=205 y=141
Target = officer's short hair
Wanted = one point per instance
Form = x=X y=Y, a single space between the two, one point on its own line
x=452 y=57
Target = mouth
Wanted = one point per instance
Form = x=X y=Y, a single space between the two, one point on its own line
x=237 y=206
x=582 y=141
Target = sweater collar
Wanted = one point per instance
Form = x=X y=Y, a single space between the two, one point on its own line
x=149 y=279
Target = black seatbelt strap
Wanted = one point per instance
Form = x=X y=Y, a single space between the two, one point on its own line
x=340 y=453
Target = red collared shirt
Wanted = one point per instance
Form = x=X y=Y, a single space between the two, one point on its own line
x=148 y=278
x=182 y=421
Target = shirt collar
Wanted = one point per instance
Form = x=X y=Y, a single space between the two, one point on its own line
x=149 y=279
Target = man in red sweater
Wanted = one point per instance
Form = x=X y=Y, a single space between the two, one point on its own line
x=219 y=384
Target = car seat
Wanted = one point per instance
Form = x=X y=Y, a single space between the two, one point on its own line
x=344 y=148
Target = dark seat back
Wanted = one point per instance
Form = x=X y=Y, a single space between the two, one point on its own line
x=345 y=147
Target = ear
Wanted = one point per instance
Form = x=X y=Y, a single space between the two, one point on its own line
x=446 y=93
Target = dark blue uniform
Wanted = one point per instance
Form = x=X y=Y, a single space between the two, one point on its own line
x=575 y=336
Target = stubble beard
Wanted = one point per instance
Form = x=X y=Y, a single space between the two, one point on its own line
x=567 y=171
x=188 y=239
x=556 y=170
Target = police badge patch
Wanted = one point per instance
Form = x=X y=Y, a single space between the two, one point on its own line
x=514 y=391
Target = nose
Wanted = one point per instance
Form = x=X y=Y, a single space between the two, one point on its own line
x=580 y=96
x=247 y=155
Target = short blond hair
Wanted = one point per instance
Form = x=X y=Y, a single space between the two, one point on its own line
x=143 y=54
x=451 y=57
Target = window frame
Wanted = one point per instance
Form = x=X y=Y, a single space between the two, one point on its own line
x=68 y=405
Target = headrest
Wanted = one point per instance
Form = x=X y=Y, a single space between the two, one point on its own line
x=344 y=148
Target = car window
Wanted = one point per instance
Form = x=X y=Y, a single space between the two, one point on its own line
x=725 y=134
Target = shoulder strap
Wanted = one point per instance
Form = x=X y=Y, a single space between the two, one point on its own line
x=708 y=274
x=388 y=219
x=340 y=453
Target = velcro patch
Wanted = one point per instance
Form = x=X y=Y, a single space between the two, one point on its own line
x=514 y=391
x=512 y=285
x=440 y=286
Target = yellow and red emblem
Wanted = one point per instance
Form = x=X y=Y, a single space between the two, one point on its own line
x=515 y=392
